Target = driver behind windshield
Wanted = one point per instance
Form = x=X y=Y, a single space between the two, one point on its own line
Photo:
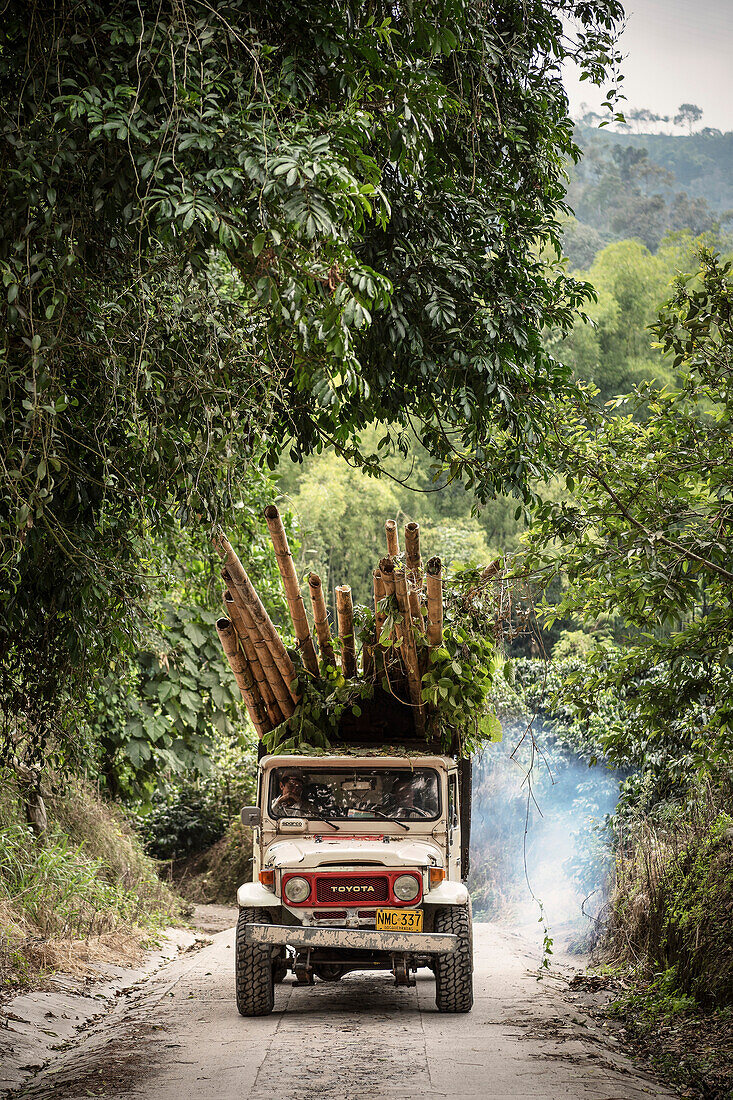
x=291 y=799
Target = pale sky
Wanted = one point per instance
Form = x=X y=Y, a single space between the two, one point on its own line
x=677 y=51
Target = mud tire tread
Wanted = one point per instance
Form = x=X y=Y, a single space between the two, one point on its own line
x=253 y=968
x=454 y=973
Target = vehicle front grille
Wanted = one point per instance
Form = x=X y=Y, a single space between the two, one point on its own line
x=352 y=889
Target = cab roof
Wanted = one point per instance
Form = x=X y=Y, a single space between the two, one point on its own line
x=389 y=757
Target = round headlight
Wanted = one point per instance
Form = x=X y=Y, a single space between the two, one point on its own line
x=406 y=887
x=297 y=889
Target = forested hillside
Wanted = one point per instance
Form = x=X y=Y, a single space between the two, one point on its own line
x=699 y=163
x=647 y=186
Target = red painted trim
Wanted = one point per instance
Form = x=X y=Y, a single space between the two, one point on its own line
x=390 y=873
x=350 y=836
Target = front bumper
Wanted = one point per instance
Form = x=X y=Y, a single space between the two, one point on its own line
x=352 y=939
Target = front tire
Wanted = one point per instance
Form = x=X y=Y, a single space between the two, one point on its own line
x=253 y=968
x=454 y=972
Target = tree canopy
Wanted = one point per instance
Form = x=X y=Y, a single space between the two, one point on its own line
x=229 y=229
x=615 y=350
x=644 y=531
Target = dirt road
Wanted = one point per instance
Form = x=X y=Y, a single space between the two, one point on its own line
x=179 y=1036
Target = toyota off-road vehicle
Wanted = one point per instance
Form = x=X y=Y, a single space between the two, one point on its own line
x=359 y=863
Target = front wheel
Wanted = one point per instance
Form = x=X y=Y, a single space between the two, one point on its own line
x=253 y=968
x=454 y=972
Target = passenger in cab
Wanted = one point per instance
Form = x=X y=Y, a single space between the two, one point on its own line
x=401 y=803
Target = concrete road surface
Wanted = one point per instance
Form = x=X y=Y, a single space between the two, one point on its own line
x=179 y=1036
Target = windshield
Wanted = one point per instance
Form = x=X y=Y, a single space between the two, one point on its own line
x=365 y=793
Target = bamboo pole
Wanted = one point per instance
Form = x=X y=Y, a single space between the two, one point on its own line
x=393 y=543
x=320 y=621
x=413 y=561
x=411 y=661
x=268 y=696
x=415 y=607
x=345 y=616
x=434 y=582
x=272 y=673
x=387 y=573
x=292 y=588
x=243 y=591
x=413 y=571
x=379 y=594
x=243 y=675
x=379 y=617
x=386 y=569
x=367 y=655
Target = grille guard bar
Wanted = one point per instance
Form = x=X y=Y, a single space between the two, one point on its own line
x=353 y=939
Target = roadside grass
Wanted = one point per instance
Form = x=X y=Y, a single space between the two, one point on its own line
x=213 y=876
x=672 y=907
x=670 y=942
x=84 y=892
x=689 y=1045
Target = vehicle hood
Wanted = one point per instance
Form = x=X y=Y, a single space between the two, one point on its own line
x=307 y=853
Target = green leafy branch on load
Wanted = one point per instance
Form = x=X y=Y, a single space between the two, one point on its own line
x=315 y=721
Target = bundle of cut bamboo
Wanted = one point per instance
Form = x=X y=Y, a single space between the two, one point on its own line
x=260 y=662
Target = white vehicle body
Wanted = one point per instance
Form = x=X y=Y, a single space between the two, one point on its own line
x=354 y=869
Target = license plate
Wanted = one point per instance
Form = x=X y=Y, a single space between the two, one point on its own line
x=399 y=920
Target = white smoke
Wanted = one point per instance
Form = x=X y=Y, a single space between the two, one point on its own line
x=539 y=835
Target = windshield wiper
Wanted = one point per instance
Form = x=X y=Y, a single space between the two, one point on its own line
x=386 y=817
x=331 y=823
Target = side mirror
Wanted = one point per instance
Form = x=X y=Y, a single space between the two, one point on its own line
x=251 y=815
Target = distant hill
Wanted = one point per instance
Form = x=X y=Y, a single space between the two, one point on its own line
x=702 y=163
x=646 y=186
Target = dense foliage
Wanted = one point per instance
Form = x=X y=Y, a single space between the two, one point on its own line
x=461 y=672
x=171 y=707
x=615 y=350
x=163 y=716
x=227 y=229
x=645 y=531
